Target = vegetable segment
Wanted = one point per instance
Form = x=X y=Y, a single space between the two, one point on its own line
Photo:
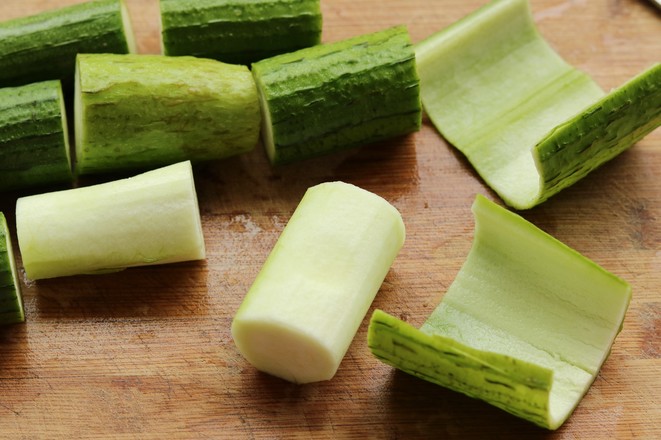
x=339 y=95
x=11 y=304
x=305 y=306
x=525 y=326
x=142 y=111
x=44 y=46
x=152 y=218
x=236 y=31
x=527 y=121
x=34 y=143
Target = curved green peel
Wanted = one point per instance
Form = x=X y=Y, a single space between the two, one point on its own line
x=527 y=121
x=525 y=326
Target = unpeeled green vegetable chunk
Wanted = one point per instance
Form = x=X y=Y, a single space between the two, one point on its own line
x=144 y=111
x=525 y=326
x=339 y=95
x=306 y=304
x=152 y=218
x=44 y=46
x=239 y=31
x=11 y=304
x=529 y=123
x=34 y=142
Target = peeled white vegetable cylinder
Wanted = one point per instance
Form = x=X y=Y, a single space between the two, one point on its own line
x=152 y=218
x=306 y=304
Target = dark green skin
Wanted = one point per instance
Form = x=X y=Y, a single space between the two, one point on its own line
x=340 y=95
x=11 y=306
x=33 y=137
x=239 y=32
x=44 y=46
x=600 y=133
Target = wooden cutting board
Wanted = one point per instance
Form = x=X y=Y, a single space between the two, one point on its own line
x=147 y=353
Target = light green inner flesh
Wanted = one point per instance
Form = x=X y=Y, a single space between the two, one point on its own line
x=12 y=264
x=128 y=28
x=493 y=87
x=523 y=294
x=308 y=300
x=78 y=109
x=150 y=218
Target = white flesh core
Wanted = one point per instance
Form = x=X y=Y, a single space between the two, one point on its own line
x=304 y=308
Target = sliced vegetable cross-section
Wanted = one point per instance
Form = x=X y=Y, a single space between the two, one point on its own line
x=151 y=218
x=44 y=46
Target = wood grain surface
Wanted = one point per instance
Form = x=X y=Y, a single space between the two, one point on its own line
x=147 y=353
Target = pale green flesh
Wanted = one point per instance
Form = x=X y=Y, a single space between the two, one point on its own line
x=494 y=88
x=44 y=46
x=127 y=27
x=152 y=218
x=523 y=297
x=305 y=306
x=11 y=302
x=238 y=31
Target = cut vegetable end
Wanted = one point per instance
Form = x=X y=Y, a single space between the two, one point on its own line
x=523 y=304
x=267 y=126
x=12 y=302
x=305 y=306
x=127 y=28
x=152 y=218
x=284 y=352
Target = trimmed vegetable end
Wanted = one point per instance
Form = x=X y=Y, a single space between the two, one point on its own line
x=284 y=352
x=525 y=325
x=305 y=306
x=127 y=28
x=151 y=218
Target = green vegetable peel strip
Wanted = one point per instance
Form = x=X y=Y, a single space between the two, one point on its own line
x=525 y=326
x=494 y=88
x=239 y=31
